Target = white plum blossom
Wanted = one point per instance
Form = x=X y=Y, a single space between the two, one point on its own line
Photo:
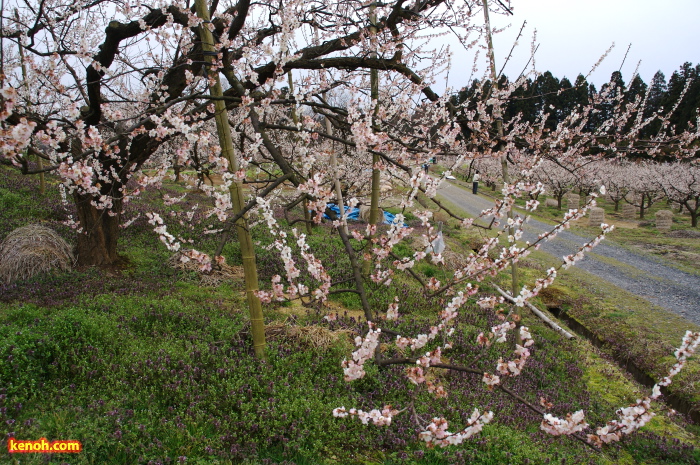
x=354 y=369
x=392 y=312
x=437 y=434
x=573 y=423
x=377 y=417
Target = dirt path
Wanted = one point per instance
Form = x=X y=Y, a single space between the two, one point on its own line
x=644 y=275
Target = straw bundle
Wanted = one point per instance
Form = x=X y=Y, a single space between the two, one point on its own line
x=308 y=336
x=31 y=250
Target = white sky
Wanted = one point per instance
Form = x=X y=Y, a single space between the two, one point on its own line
x=574 y=34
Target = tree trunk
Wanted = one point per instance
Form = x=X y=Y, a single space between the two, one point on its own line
x=97 y=242
x=693 y=211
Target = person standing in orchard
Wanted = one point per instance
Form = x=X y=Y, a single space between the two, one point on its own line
x=475 y=182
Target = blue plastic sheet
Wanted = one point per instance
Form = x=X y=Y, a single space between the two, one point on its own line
x=354 y=214
x=389 y=218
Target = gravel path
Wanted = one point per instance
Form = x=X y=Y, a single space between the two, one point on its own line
x=644 y=275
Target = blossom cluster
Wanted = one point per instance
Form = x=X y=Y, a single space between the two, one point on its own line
x=512 y=367
x=573 y=423
x=168 y=239
x=436 y=432
x=378 y=417
x=13 y=139
x=689 y=345
x=637 y=415
x=630 y=418
x=314 y=267
x=354 y=369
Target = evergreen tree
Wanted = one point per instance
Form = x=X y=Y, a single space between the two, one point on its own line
x=522 y=102
x=466 y=98
x=636 y=91
x=655 y=101
x=688 y=108
x=676 y=84
x=567 y=99
x=547 y=91
x=593 y=120
x=580 y=92
x=613 y=90
x=657 y=91
x=547 y=94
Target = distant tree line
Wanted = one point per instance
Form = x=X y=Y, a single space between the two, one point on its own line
x=546 y=94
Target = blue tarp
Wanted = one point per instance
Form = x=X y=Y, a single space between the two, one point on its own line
x=354 y=214
x=389 y=218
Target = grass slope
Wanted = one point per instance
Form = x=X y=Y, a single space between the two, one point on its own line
x=144 y=365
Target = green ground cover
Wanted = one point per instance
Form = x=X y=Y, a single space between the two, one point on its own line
x=628 y=327
x=143 y=364
x=680 y=246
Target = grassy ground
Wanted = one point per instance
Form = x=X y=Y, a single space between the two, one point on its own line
x=145 y=365
x=628 y=327
x=680 y=246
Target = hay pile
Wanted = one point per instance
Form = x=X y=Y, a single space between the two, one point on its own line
x=31 y=250
x=217 y=275
x=455 y=261
x=685 y=234
x=306 y=336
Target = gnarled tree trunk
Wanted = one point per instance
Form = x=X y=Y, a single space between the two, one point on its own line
x=97 y=242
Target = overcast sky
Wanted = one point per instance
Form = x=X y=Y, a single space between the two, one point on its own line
x=573 y=34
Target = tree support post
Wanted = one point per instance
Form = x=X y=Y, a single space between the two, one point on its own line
x=236 y=190
x=295 y=119
x=504 y=159
x=374 y=94
x=42 y=179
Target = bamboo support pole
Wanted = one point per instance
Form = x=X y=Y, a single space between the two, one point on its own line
x=499 y=129
x=236 y=189
x=374 y=94
x=295 y=119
